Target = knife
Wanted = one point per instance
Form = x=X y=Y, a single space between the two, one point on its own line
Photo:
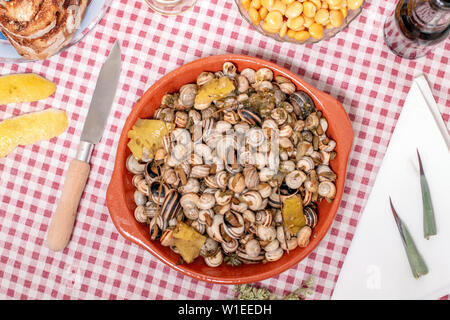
x=63 y=219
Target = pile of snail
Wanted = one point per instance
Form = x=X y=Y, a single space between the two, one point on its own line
x=231 y=161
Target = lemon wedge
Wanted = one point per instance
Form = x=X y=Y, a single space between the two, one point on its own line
x=25 y=87
x=31 y=128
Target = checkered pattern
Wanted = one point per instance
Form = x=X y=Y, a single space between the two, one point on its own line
x=355 y=66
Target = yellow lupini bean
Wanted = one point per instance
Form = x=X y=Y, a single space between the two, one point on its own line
x=354 y=4
x=263 y=12
x=294 y=10
x=301 y=36
x=274 y=20
x=317 y=3
x=278 y=6
x=291 y=33
x=267 y=3
x=254 y=16
x=344 y=12
x=324 y=5
x=316 y=30
x=309 y=9
x=322 y=16
x=288 y=2
x=283 y=29
x=246 y=4
x=255 y=4
x=336 y=18
x=308 y=22
x=267 y=28
x=334 y=3
x=296 y=23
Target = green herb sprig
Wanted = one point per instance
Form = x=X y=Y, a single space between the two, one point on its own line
x=249 y=292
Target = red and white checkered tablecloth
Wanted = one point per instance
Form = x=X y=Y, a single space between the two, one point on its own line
x=355 y=66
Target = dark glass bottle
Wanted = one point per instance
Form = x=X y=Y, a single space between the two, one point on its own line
x=417 y=26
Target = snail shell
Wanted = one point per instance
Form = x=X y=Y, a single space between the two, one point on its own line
x=327 y=189
x=265 y=233
x=206 y=201
x=209 y=248
x=287 y=87
x=206 y=217
x=229 y=69
x=264 y=218
x=192 y=185
x=253 y=199
x=223 y=197
x=139 y=197
x=189 y=200
x=221 y=179
x=312 y=121
x=310 y=216
x=233 y=224
x=295 y=179
x=274 y=255
x=242 y=83
x=237 y=183
x=230 y=246
x=170 y=208
x=264 y=190
x=139 y=214
x=215 y=260
x=134 y=166
x=200 y=171
x=210 y=181
x=305 y=164
x=167 y=238
x=303 y=236
x=249 y=116
x=204 y=77
x=263 y=74
x=303 y=104
x=214 y=230
x=251 y=177
x=253 y=248
x=157 y=193
x=272 y=245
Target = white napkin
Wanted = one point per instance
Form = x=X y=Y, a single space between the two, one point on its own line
x=376 y=266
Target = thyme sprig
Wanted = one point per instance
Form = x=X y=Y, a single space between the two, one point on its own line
x=249 y=292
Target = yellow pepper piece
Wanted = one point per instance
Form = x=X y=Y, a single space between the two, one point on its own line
x=25 y=87
x=148 y=134
x=188 y=241
x=293 y=214
x=215 y=89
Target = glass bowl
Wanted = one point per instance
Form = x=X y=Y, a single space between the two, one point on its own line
x=170 y=7
x=327 y=33
x=94 y=13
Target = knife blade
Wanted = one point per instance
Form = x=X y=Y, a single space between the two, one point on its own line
x=63 y=219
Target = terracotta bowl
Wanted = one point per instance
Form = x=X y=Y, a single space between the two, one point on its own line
x=119 y=196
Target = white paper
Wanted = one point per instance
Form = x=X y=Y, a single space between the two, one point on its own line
x=376 y=266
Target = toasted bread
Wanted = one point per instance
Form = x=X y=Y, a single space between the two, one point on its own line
x=40 y=28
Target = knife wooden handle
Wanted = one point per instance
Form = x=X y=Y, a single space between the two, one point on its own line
x=63 y=219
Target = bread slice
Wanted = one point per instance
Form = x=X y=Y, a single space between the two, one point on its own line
x=40 y=28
